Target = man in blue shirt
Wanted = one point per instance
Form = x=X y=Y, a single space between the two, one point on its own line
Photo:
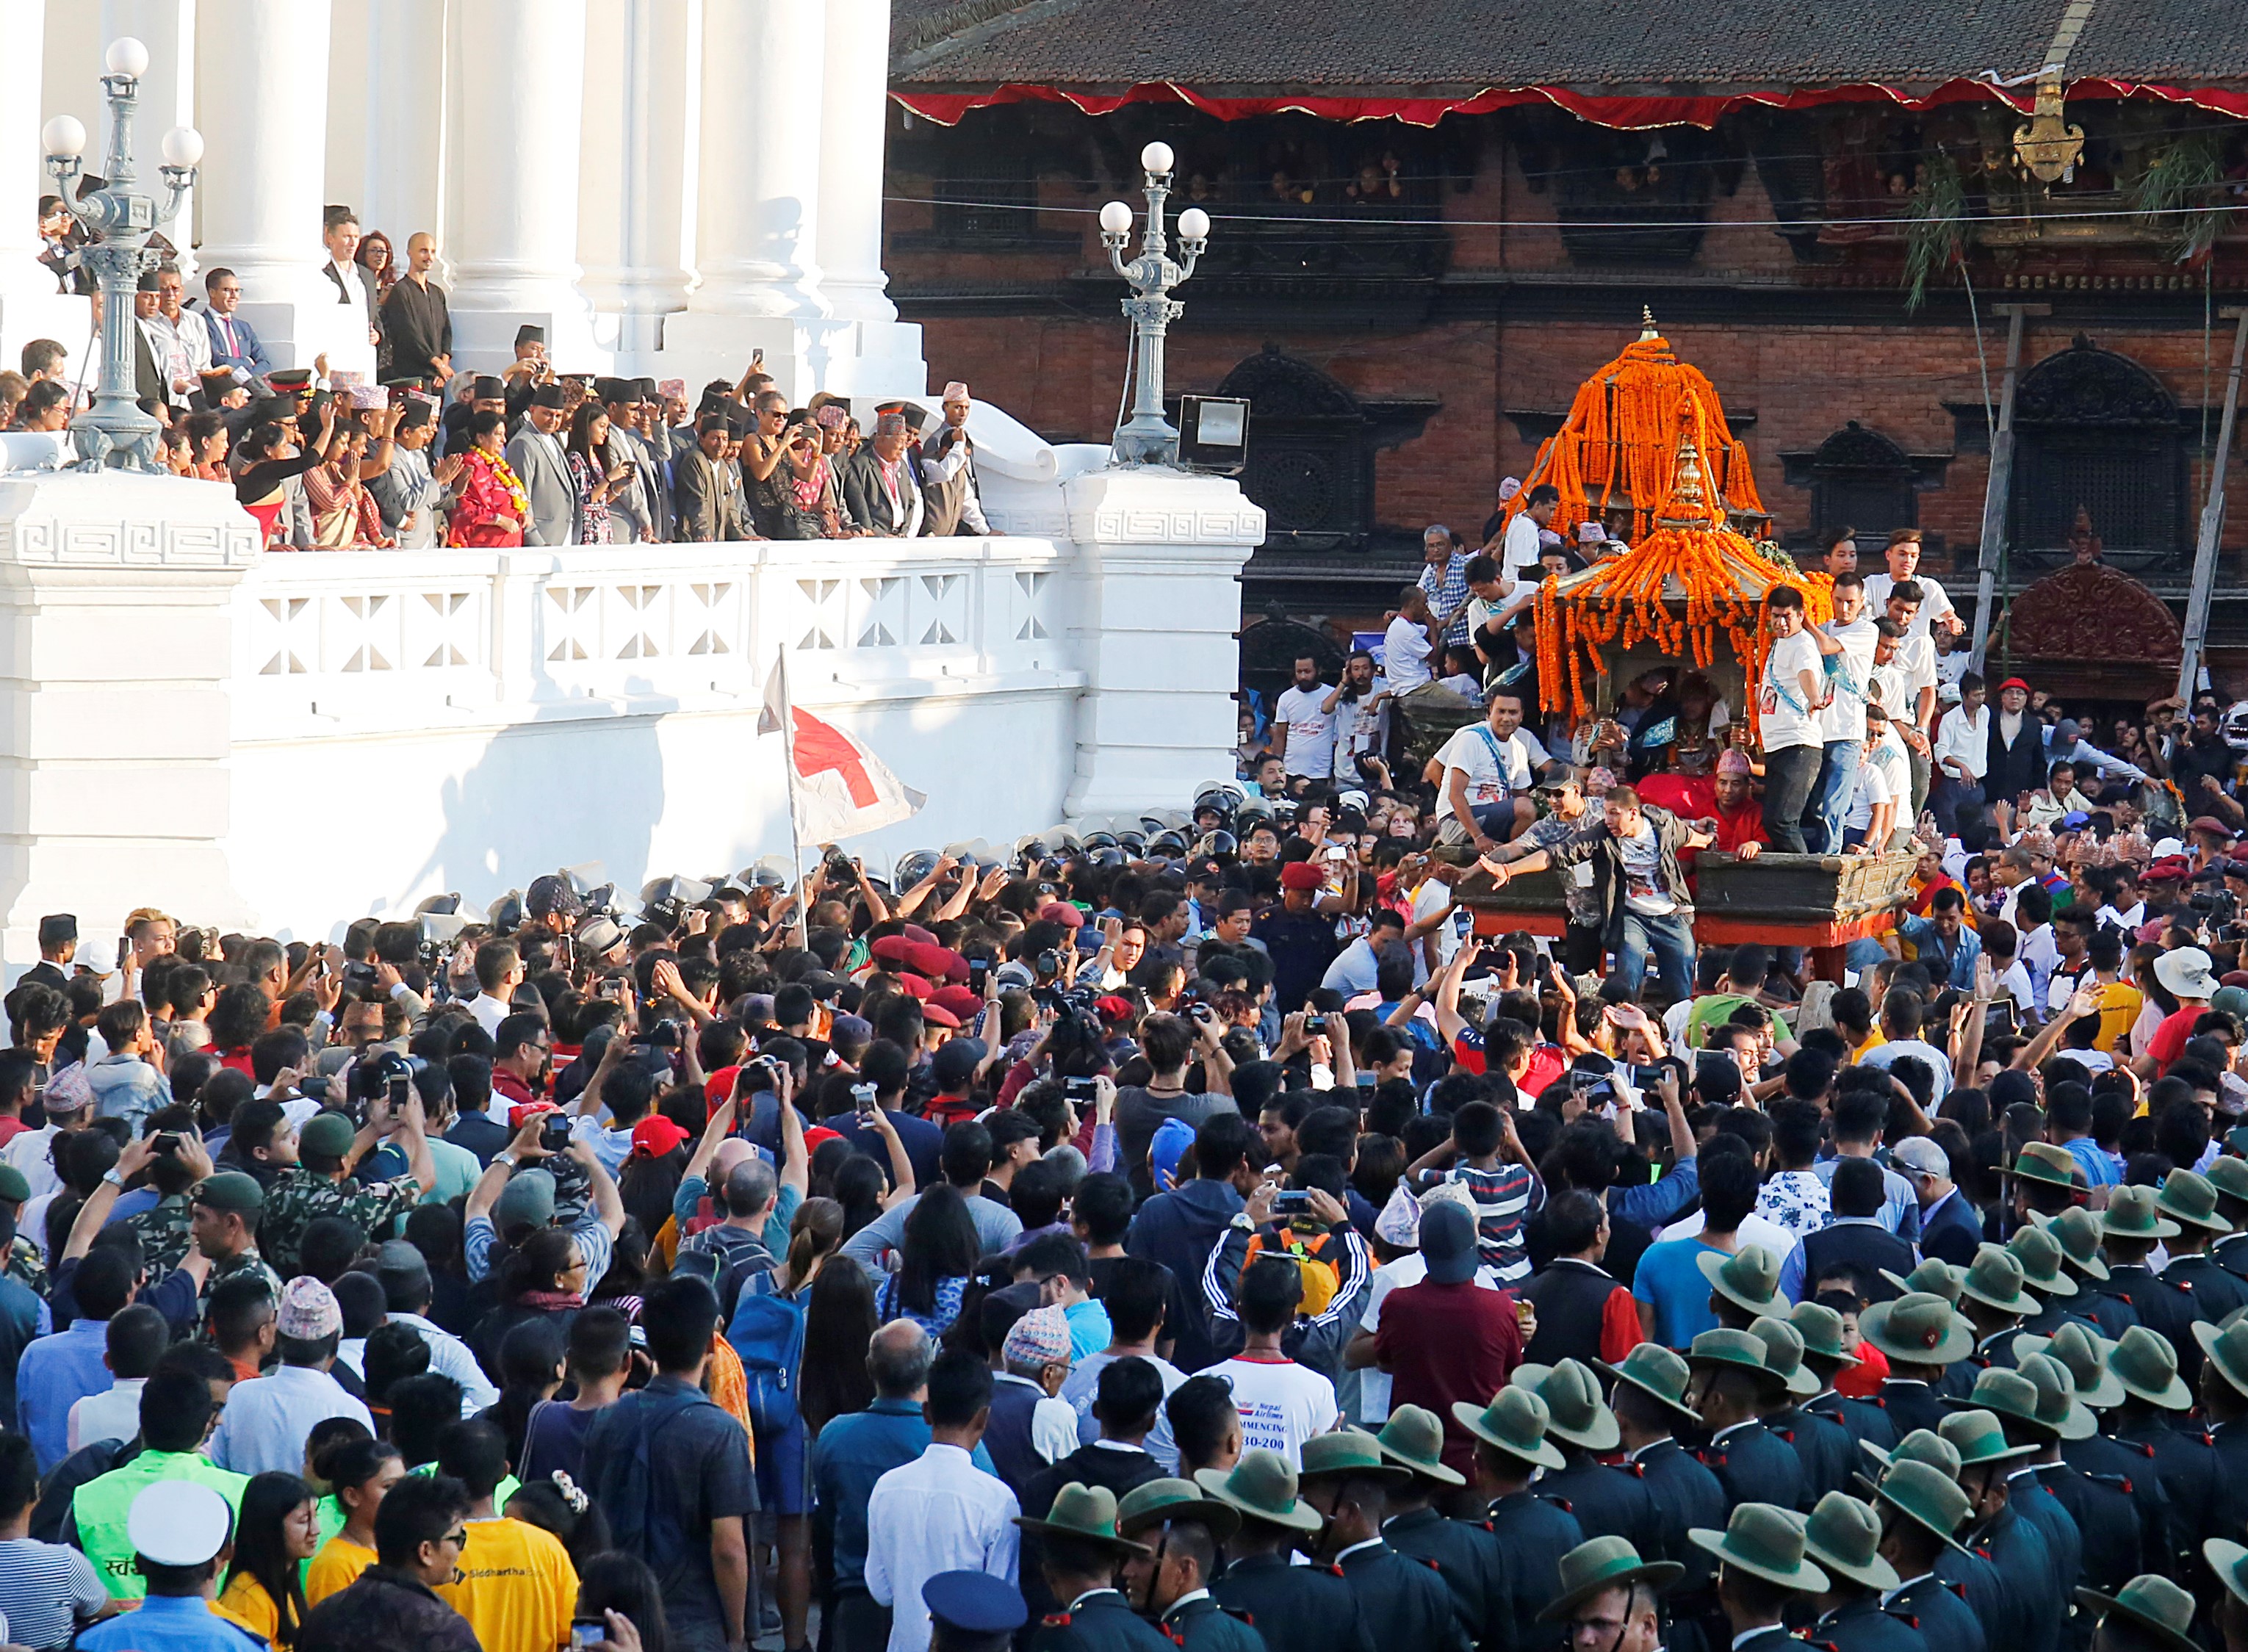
x=59 y=1371
x=854 y=1451
x=178 y=1529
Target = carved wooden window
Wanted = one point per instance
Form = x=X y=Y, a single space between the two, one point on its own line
x=2096 y=430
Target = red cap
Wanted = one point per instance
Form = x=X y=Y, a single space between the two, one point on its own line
x=1114 y=1009
x=914 y=932
x=656 y=1136
x=938 y=964
x=1301 y=874
x=2013 y=682
x=961 y=1001
x=2169 y=868
x=937 y=1016
x=890 y=949
x=1062 y=913
x=916 y=987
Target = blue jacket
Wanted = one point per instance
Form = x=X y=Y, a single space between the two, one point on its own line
x=1180 y=1228
x=247 y=350
x=1964 y=951
x=1952 y=1230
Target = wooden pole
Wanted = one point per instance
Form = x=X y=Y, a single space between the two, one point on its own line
x=2212 y=518
x=2001 y=479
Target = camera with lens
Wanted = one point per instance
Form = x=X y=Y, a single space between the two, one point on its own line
x=387 y=1077
x=554 y=1133
x=362 y=984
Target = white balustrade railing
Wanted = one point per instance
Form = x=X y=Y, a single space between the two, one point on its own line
x=380 y=639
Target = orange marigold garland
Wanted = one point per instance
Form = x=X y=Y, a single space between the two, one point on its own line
x=1618 y=444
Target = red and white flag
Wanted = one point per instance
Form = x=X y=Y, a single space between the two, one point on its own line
x=838 y=788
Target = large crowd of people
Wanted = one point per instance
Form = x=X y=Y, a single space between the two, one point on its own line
x=420 y=455
x=1212 y=1230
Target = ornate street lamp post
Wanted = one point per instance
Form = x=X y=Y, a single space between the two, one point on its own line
x=1148 y=437
x=113 y=432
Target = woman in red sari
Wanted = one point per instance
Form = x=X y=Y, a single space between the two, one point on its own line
x=493 y=510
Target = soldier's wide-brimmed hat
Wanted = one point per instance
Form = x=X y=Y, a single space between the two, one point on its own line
x=1263 y=1487
x=1919 y=1329
x=1927 y=1496
x=1845 y=1537
x=2042 y=1260
x=2192 y=1199
x=2078 y=1230
x=1783 y=1354
x=1160 y=1501
x=1575 y=1413
x=1749 y=1279
x=2083 y=1353
x=2146 y=1365
x=2058 y=1408
x=2230 y=1562
x=1994 y=1278
x=1979 y=1437
x=1602 y=1564
x=1820 y=1327
x=1934 y=1277
x=1413 y=1439
x=2042 y=1162
x=1765 y=1541
x=1660 y=1373
x=1724 y=1350
x=2154 y=1606
x=1515 y=1422
x=1350 y=1454
x=2008 y=1396
x=2132 y=1214
x=2227 y=1350
x=1086 y=1513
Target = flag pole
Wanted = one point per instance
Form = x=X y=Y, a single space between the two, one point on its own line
x=788 y=765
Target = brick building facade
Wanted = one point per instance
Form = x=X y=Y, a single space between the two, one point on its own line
x=1415 y=301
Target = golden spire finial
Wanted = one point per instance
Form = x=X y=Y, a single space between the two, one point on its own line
x=1647 y=328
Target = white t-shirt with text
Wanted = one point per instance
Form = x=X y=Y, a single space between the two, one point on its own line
x=1281 y=1404
x=1496 y=769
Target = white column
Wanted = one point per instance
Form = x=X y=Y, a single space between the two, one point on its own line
x=168 y=95
x=512 y=159
x=760 y=208
x=30 y=307
x=853 y=121
x=264 y=71
x=404 y=130
x=643 y=105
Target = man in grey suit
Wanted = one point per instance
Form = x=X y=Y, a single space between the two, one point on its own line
x=632 y=515
x=544 y=470
x=878 y=489
x=707 y=486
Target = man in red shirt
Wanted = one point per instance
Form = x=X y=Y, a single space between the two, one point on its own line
x=2186 y=976
x=1740 y=823
x=1447 y=1338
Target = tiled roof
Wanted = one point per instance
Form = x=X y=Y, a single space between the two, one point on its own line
x=1438 y=47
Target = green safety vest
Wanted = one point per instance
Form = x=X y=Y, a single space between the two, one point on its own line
x=99 y=1508
x=506 y=1489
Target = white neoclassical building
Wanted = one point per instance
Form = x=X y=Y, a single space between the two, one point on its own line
x=664 y=185
x=289 y=741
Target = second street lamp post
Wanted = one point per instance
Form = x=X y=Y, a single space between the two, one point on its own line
x=1147 y=437
x=115 y=433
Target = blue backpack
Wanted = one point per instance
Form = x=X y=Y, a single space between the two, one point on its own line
x=767 y=1333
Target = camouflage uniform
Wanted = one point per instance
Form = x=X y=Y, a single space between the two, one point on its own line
x=163 y=1229
x=249 y=1262
x=298 y=1196
x=24 y=1262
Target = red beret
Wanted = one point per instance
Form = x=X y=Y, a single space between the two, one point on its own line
x=961 y=1001
x=1114 y=1009
x=938 y=964
x=1062 y=913
x=890 y=949
x=914 y=932
x=936 y=1015
x=1301 y=874
x=916 y=987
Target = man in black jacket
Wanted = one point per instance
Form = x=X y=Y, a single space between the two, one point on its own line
x=2016 y=751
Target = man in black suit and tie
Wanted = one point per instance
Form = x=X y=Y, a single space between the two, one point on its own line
x=339 y=229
